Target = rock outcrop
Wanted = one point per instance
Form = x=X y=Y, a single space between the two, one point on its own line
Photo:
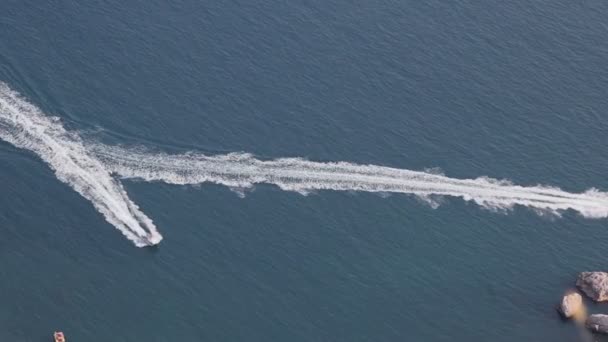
x=594 y=285
x=572 y=305
x=598 y=323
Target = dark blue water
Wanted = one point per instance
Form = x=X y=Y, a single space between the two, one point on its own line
x=514 y=90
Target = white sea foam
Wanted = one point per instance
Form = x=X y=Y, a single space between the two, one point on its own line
x=240 y=170
x=25 y=126
x=88 y=170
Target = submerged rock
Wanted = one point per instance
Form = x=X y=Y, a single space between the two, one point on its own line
x=594 y=285
x=598 y=323
x=572 y=305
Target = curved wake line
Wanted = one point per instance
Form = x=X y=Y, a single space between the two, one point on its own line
x=25 y=126
x=242 y=170
x=88 y=169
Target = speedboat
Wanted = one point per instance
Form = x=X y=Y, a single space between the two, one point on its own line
x=151 y=239
x=59 y=337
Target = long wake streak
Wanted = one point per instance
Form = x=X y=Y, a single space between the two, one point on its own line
x=25 y=126
x=88 y=169
x=294 y=174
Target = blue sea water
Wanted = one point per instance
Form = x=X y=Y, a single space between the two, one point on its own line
x=507 y=89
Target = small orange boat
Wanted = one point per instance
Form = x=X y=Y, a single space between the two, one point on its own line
x=59 y=337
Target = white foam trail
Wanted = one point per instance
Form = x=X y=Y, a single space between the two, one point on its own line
x=25 y=126
x=87 y=169
x=243 y=170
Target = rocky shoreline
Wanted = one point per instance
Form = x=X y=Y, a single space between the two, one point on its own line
x=595 y=286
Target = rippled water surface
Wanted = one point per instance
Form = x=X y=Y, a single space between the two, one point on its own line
x=509 y=90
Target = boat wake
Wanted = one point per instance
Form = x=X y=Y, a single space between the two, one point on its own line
x=25 y=126
x=88 y=169
x=240 y=170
